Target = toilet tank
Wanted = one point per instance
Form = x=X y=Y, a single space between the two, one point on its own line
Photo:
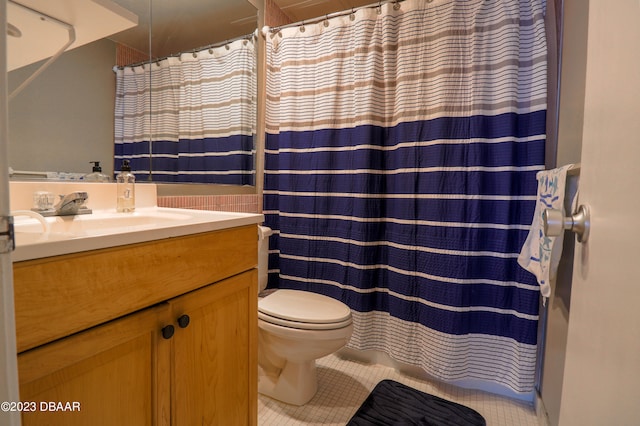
x=263 y=256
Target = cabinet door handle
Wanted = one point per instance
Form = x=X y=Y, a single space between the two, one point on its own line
x=167 y=331
x=183 y=321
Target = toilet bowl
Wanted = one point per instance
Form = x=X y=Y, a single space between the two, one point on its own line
x=294 y=329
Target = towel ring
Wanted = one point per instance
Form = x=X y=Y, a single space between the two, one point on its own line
x=554 y=223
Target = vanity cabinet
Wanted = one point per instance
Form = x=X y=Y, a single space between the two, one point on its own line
x=184 y=352
x=213 y=363
x=114 y=371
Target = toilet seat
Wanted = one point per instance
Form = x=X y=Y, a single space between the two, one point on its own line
x=302 y=325
x=303 y=310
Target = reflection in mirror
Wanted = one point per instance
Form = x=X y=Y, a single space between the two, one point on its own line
x=181 y=26
x=65 y=118
x=201 y=124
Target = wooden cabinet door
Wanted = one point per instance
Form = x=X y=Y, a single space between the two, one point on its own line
x=115 y=374
x=214 y=358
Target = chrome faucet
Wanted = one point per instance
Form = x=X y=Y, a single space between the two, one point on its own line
x=72 y=204
x=68 y=205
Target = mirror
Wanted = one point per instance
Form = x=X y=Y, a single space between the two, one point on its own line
x=64 y=119
x=181 y=26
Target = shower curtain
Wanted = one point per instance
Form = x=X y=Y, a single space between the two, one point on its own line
x=190 y=118
x=400 y=158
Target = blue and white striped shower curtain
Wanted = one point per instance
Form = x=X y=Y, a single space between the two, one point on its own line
x=199 y=111
x=401 y=152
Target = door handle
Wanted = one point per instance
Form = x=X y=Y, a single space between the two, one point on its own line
x=167 y=331
x=183 y=321
x=554 y=223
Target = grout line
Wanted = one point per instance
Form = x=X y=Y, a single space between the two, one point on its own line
x=344 y=384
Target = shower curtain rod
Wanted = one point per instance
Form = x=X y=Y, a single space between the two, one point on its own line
x=334 y=15
x=197 y=49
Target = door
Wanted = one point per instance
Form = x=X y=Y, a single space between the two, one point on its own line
x=113 y=374
x=214 y=354
x=602 y=368
x=8 y=363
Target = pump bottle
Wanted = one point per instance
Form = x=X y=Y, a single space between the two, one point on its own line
x=96 y=175
x=125 y=181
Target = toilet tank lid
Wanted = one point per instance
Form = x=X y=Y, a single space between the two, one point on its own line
x=304 y=306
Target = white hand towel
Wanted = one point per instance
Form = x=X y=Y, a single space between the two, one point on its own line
x=540 y=254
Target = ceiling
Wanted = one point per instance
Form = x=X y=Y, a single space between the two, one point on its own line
x=300 y=10
x=183 y=25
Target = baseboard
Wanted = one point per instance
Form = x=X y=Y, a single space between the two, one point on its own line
x=541 y=411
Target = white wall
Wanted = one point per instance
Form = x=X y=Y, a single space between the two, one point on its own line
x=64 y=118
x=572 y=81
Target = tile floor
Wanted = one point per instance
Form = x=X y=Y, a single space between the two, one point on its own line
x=344 y=384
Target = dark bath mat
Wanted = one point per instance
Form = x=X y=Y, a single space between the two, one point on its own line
x=392 y=403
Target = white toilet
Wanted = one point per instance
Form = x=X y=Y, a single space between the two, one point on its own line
x=294 y=329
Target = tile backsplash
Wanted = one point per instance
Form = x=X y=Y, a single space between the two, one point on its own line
x=241 y=203
x=103 y=196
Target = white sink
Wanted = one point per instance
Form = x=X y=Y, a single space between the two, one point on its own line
x=99 y=223
x=102 y=229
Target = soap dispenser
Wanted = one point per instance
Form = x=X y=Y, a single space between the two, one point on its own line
x=96 y=175
x=125 y=181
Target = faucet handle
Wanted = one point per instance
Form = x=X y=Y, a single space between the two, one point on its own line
x=43 y=200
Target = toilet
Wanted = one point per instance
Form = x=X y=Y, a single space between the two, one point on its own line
x=294 y=329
